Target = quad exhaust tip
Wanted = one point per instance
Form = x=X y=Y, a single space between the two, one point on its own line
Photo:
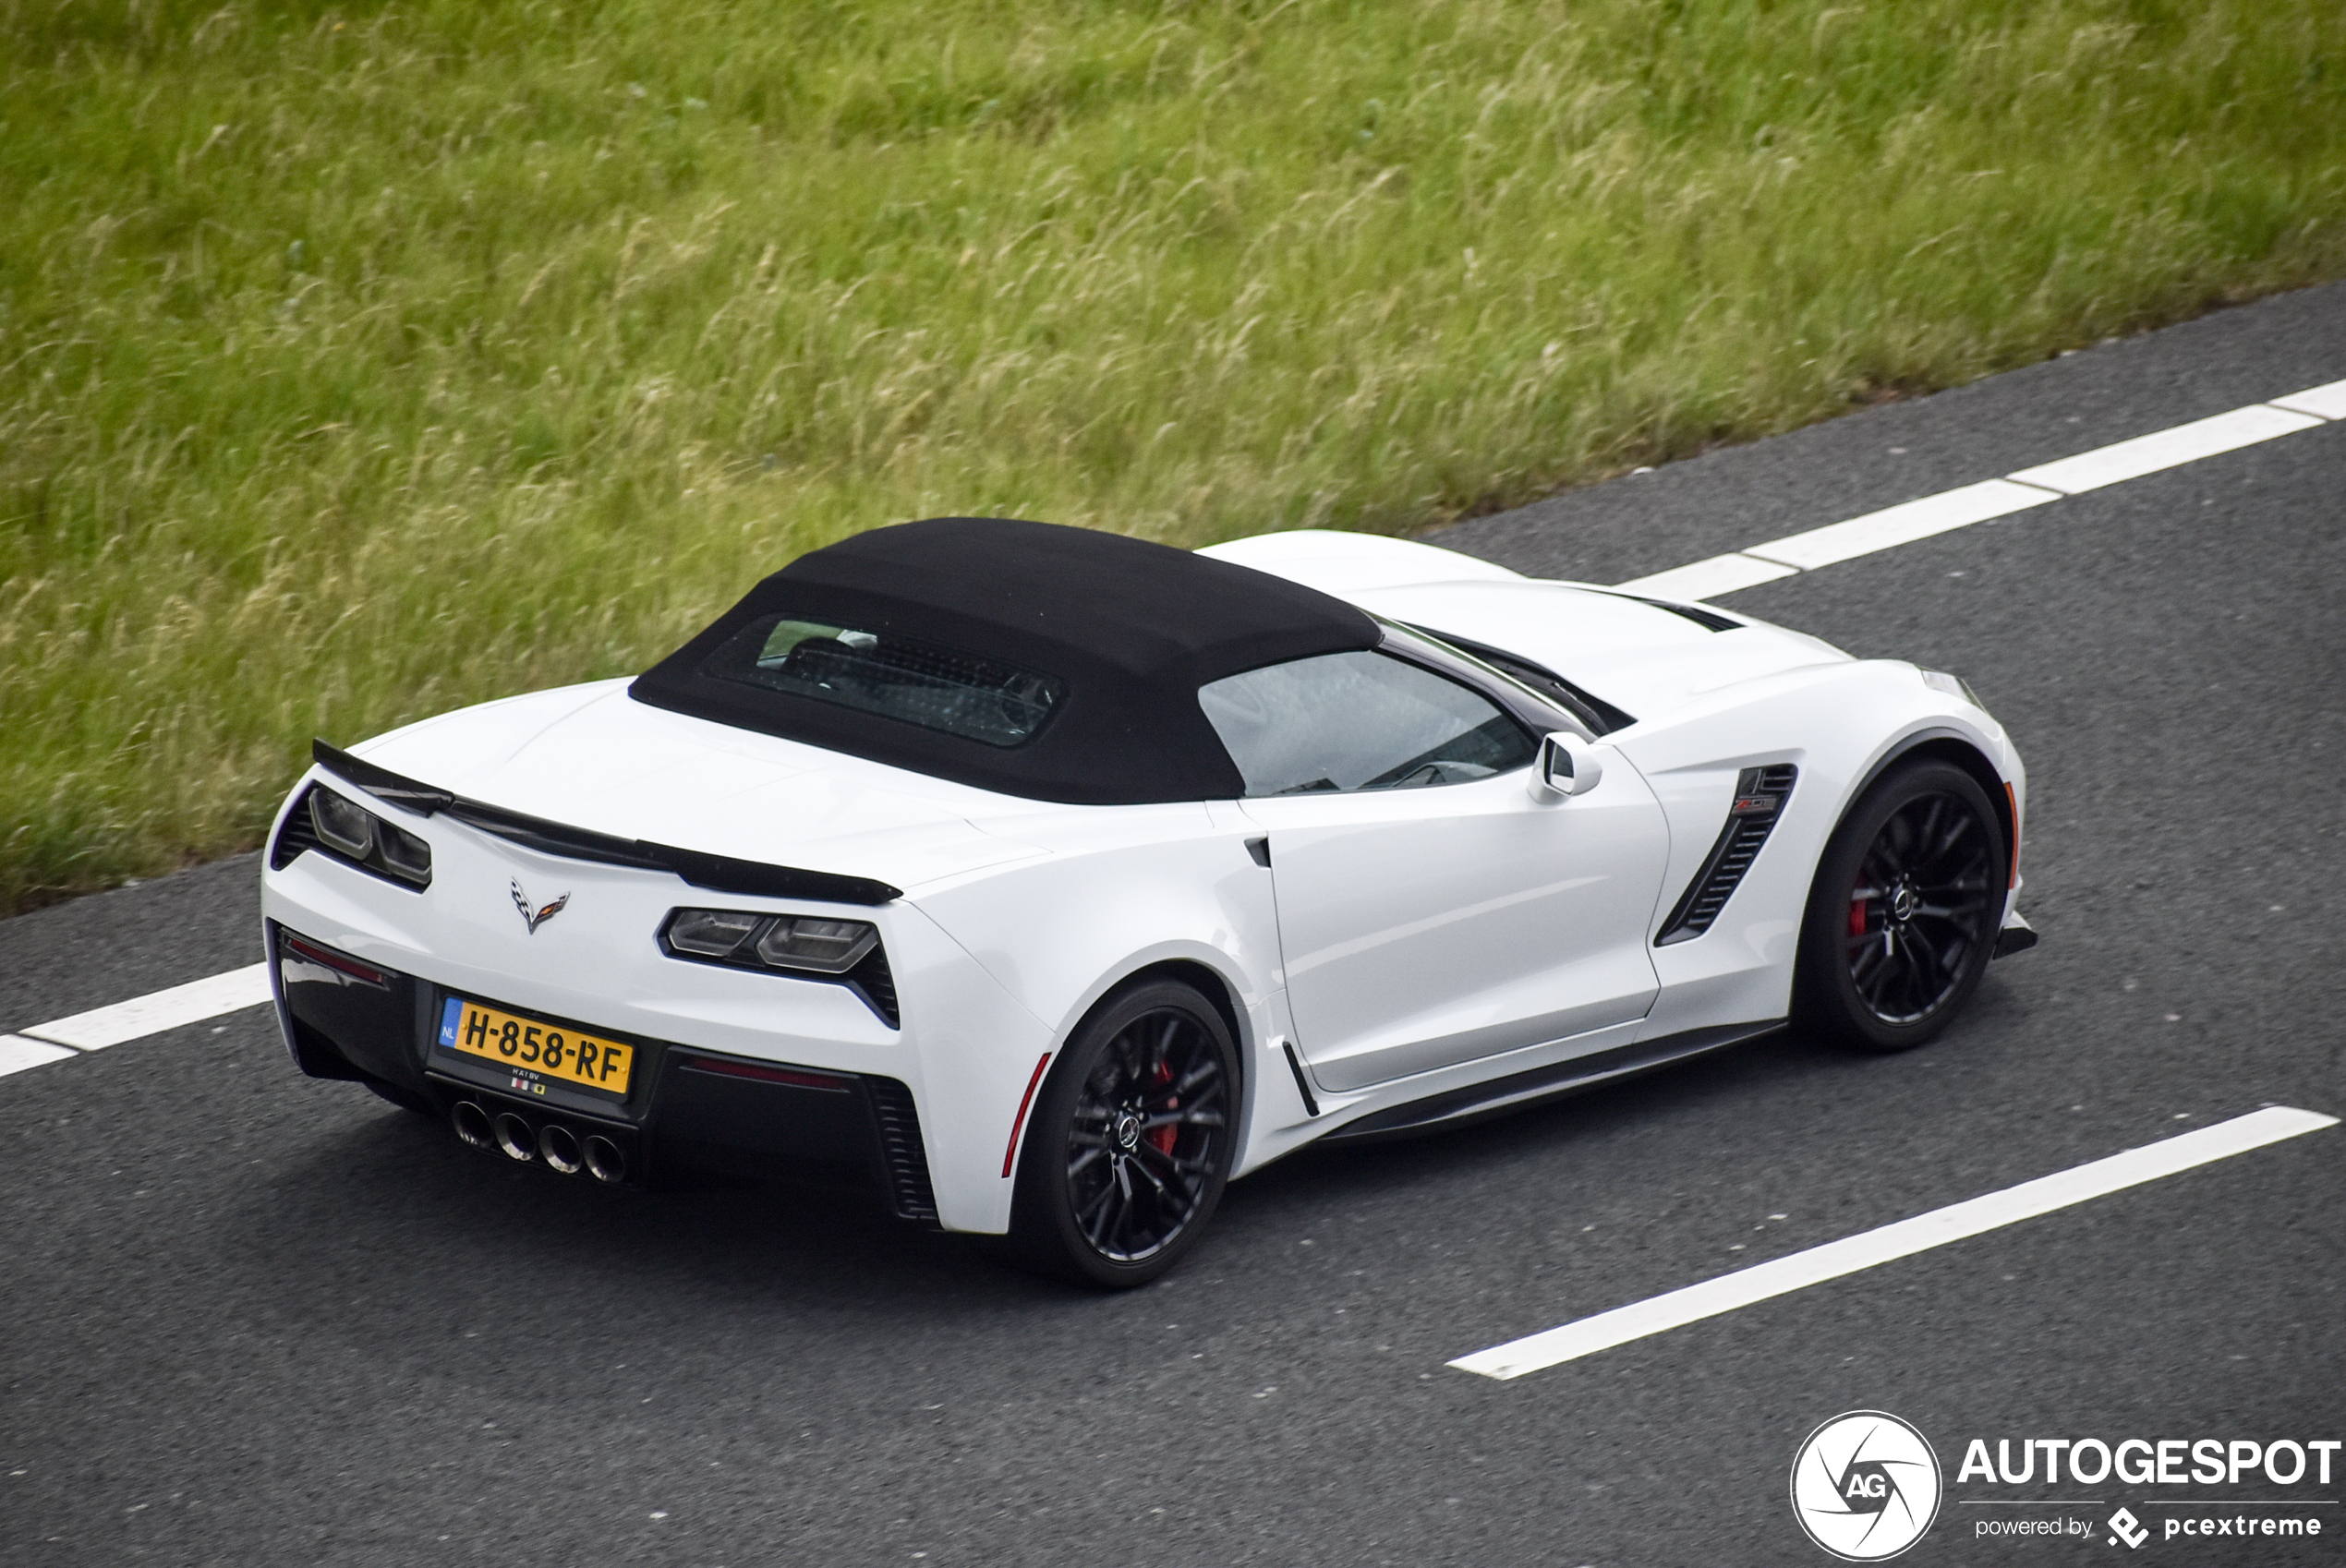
x=472 y=1125
x=558 y=1146
x=516 y=1137
x=605 y=1161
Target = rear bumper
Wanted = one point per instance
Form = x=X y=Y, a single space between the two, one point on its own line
x=687 y=1109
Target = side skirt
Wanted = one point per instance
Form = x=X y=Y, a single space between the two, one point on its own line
x=1519 y=1091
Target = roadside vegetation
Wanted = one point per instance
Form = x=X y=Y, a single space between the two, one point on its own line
x=361 y=361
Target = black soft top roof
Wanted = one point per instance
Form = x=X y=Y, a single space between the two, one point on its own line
x=1132 y=629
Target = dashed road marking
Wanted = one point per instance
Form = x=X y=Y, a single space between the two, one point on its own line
x=1708 y=579
x=1904 y=1239
x=159 y=1010
x=1904 y=525
x=1960 y=508
x=2167 y=448
x=2328 y=402
x=17 y=1054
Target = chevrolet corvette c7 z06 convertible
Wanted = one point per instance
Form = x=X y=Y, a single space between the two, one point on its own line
x=1053 y=878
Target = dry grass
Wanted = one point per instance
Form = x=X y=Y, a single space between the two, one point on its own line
x=358 y=363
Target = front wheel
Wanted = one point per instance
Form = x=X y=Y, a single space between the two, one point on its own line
x=1131 y=1141
x=1902 y=918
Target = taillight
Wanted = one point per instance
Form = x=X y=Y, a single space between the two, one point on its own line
x=799 y=944
x=350 y=832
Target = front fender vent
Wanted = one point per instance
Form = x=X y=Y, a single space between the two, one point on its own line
x=1761 y=793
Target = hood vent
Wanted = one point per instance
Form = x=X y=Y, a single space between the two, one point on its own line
x=1761 y=793
x=1701 y=615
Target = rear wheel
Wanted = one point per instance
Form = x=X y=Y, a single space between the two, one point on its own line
x=1903 y=915
x=1129 y=1143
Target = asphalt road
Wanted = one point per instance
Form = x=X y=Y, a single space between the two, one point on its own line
x=253 y=1318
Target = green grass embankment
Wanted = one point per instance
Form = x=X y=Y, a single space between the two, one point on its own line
x=360 y=362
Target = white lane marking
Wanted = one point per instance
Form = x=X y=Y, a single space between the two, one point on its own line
x=1703 y=579
x=2327 y=401
x=1961 y=507
x=1902 y=525
x=153 y=1013
x=17 y=1054
x=2169 y=448
x=1901 y=1240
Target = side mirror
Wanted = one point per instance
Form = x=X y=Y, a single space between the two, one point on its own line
x=1567 y=765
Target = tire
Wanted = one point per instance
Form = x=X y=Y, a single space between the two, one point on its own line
x=1129 y=1144
x=1903 y=915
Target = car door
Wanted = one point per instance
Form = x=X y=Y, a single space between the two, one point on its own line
x=1431 y=910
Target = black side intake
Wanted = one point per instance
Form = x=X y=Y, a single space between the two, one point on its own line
x=872 y=980
x=903 y=1159
x=1761 y=793
x=296 y=836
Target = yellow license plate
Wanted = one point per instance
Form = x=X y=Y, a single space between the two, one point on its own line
x=541 y=1049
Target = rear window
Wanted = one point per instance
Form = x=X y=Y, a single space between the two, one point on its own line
x=977 y=699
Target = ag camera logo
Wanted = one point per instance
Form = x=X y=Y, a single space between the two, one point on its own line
x=1865 y=1485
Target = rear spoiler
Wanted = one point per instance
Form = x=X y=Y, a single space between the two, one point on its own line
x=718 y=874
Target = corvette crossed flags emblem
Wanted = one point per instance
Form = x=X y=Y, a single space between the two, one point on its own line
x=539 y=917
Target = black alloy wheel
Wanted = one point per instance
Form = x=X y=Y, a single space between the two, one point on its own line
x=1130 y=1142
x=1903 y=915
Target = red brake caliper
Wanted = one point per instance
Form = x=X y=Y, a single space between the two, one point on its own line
x=1856 y=917
x=1163 y=1137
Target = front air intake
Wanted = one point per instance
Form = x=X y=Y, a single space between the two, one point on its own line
x=1761 y=793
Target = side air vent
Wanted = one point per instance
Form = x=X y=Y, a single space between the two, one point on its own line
x=902 y=1159
x=299 y=833
x=1761 y=793
x=876 y=983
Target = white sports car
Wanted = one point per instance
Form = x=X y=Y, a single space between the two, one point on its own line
x=1053 y=879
